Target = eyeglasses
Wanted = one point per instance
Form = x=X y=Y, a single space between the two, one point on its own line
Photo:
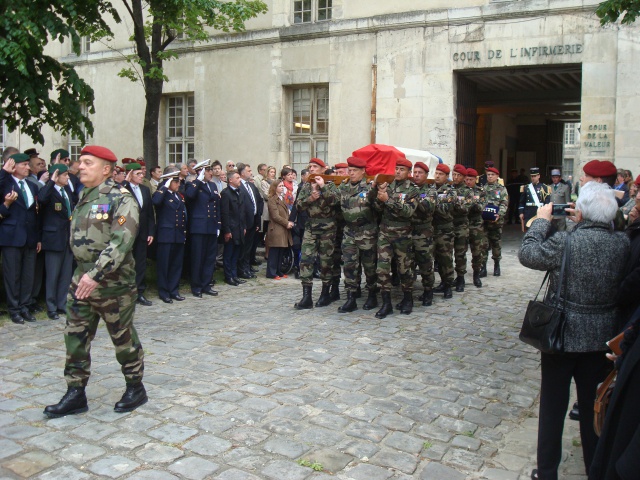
x=231 y=165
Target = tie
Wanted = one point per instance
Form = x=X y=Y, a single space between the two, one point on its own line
x=25 y=197
x=66 y=201
x=253 y=200
x=138 y=194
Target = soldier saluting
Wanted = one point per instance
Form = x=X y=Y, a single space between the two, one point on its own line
x=104 y=226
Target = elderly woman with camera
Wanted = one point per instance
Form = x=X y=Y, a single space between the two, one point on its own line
x=595 y=262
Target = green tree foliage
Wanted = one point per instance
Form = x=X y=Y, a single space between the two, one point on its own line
x=156 y=24
x=611 y=10
x=36 y=89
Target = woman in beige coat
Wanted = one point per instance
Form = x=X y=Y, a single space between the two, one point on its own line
x=279 y=234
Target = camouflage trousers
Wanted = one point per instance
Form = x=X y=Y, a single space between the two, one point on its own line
x=116 y=307
x=460 y=245
x=494 y=239
x=336 y=258
x=423 y=255
x=478 y=244
x=359 y=248
x=318 y=241
x=394 y=240
x=443 y=252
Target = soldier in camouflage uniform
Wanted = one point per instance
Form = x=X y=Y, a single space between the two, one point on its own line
x=359 y=242
x=397 y=202
x=443 y=229
x=464 y=200
x=477 y=237
x=496 y=195
x=422 y=234
x=104 y=226
x=319 y=199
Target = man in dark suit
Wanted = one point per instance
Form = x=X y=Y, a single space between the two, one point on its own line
x=147 y=227
x=171 y=216
x=56 y=209
x=254 y=205
x=203 y=202
x=19 y=237
x=233 y=227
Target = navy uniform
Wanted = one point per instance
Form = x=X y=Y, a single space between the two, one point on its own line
x=171 y=217
x=19 y=238
x=57 y=207
x=528 y=205
x=203 y=202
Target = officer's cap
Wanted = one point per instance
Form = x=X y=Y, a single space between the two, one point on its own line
x=171 y=175
x=555 y=172
x=203 y=164
x=32 y=152
x=534 y=171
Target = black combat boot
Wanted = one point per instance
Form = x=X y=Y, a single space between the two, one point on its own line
x=440 y=288
x=334 y=293
x=459 y=283
x=496 y=268
x=407 y=303
x=307 y=301
x=74 y=401
x=325 y=296
x=476 y=279
x=427 y=297
x=372 y=299
x=296 y=272
x=386 y=308
x=350 y=305
x=448 y=293
x=483 y=270
x=358 y=293
x=134 y=396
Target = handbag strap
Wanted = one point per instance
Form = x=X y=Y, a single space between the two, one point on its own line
x=565 y=262
x=546 y=276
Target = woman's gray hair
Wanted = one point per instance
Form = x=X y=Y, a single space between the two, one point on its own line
x=597 y=202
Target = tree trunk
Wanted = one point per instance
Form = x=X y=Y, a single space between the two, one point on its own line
x=150 y=130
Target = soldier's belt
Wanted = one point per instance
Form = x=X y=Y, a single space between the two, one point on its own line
x=360 y=223
x=391 y=223
x=528 y=204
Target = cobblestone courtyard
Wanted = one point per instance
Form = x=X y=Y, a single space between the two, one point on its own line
x=242 y=386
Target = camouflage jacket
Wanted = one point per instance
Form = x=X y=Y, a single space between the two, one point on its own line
x=399 y=208
x=497 y=195
x=324 y=208
x=426 y=205
x=464 y=200
x=446 y=199
x=104 y=226
x=356 y=202
x=479 y=202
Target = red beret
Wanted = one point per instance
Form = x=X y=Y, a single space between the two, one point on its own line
x=341 y=165
x=141 y=162
x=494 y=170
x=119 y=169
x=127 y=160
x=472 y=172
x=442 y=167
x=356 y=162
x=317 y=161
x=637 y=182
x=422 y=166
x=100 y=152
x=597 y=168
x=403 y=162
x=461 y=169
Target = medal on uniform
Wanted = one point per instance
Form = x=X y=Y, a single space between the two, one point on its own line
x=99 y=216
x=57 y=207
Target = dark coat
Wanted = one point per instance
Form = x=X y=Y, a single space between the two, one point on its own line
x=171 y=216
x=19 y=226
x=147 y=226
x=204 y=207
x=55 y=225
x=596 y=263
x=233 y=218
x=279 y=235
x=628 y=294
x=251 y=220
x=617 y=455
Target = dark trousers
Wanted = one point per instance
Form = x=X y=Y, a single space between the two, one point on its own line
x=38 y=277
x=230 y=259
x=169 y=268
x=244 y=261
x=140 y=257
x=204 y=249
x=274 y=261
x=18 y=268
x=59 y=270
x=588 y=370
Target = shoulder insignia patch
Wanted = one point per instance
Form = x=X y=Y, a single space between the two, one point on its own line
x=124 y=190
x=121 y=220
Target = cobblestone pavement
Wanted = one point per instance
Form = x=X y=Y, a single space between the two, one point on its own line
x=242 y=386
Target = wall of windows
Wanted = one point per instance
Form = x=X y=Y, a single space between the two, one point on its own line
x=309 y=136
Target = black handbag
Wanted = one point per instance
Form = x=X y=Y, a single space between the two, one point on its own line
x=543 y=325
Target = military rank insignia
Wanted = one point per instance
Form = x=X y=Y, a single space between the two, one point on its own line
x=121 y=220
x=57 y=207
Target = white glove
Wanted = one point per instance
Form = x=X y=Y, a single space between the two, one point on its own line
x=167 y=183
x=218 y=233
x=201 y=175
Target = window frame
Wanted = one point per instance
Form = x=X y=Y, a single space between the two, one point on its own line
x=316 y=9
x=3 y=136
x=74 y=144
x=180 y=148
x=317 y=140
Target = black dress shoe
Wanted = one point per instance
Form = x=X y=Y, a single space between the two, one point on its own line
x=166 y=299
x=134 y=396
x=574 y=413
x=35 y=308
x=254 y=270
x=231 y=281
x=27 y=316
x=246 y=276
x=239 y=281
x=62 y=312
x=17 y=318
x=74 y=401
x=143 y=301
x=53 y=315
x=197 y=294
x=177 y=298
x=256 y=263
x=211 y=292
